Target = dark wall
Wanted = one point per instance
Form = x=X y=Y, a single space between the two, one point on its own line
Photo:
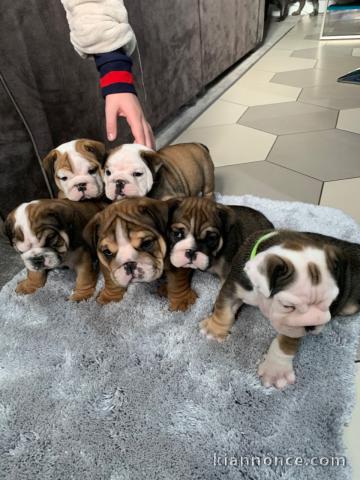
x=168 y=35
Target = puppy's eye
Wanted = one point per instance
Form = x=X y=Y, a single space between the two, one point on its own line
x=137 y=174
x=92 y=171
x=178 y=234
x=90 y=148
x=107 y=172
x=147 y=245
x=63 y=179
x=212 y=236
x=50 y=239
x=290 y=308
x=107 y=253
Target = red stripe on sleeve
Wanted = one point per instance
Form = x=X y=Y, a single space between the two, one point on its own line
x=116 y=77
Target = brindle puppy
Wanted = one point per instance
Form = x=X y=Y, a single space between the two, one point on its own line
x=129 y=237
x=205 y=235
x=48 y=234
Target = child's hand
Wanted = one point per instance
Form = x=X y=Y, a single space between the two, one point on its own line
x=127 y=105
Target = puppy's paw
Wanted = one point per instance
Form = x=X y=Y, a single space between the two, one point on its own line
x=25 y=288
x=184 y=302
x=213 y=330
x=276 y=372
x=162 y=290
x=80 y=295
x=106 y=296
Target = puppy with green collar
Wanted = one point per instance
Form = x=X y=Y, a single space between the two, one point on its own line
x=299 y=281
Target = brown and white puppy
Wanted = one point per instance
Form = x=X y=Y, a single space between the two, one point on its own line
x=299 y=281
x=48 y=234
x=129 y=237
x=205 y=235
x=75 y=167
x=133 y=170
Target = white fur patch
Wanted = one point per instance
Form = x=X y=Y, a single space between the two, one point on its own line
x=277 y=368
x=179 y=258
x=121 y=167
x=22 y=222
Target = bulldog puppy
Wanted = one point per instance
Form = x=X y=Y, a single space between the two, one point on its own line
x=133 y=170
x=129 y=237
x=205 y=235
x=48 y=234
x=75 y=167
x=299 y=281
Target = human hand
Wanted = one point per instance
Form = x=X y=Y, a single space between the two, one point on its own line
x=128 y=106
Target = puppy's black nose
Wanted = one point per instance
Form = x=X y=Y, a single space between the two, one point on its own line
x=120 y=184
x=310 y=328
x=81 y=187
x=38 y=262
x=130 y=267
x=190 y=254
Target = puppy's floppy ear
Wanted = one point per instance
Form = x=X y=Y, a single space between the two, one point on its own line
x=96 y=148
x=158 y=211
x=153 y=160
x=227 y=216
x=8 y=228
x=91 y=232
x=173 y=204
x=338 y=266
x=49 y=162
x=280 y=273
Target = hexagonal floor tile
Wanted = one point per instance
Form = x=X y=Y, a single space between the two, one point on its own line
x=281 y=61
x=268 y=180
x=255 y=88
x=294 y=43
x=305 y=78
x=327 y=60
x=339 y=96
x=292 y=117
x=326 y=155
x=231 y=144
x=220 y=113
x=349 y=120
x=327 y=51
x=342 y=194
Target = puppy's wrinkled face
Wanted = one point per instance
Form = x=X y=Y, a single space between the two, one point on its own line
x=295 y=288
x=129 y=238
x=126 y=174
x=196 y=232
x=37 y=236
x=76 y=168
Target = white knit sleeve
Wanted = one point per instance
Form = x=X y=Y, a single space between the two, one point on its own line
x=99 y=26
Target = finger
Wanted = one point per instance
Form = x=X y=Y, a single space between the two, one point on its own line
x=137 y=128
x=149 y=136
x=111 y=115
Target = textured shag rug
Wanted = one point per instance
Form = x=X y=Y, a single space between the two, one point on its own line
x=131 y=391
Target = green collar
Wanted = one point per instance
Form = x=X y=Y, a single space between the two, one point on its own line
x=260 y=240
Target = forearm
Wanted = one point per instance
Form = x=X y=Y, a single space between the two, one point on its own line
x=99 y=26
